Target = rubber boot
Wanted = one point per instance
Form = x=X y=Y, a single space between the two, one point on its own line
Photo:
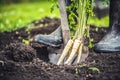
x=111 y=41
x=54 y=39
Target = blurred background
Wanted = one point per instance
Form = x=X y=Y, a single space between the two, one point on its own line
x=15 y=14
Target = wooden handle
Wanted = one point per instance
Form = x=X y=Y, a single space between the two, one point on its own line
x=64 y=21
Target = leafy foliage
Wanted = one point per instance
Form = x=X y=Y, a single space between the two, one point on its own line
x=75 y=17
x=74 y=13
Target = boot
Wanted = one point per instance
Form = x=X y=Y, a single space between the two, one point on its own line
x=111 y=41
x=54 y=39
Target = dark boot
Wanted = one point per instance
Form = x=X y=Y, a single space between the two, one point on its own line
x=54 y=39
x=111 y=41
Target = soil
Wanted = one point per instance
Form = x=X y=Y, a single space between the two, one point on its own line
x=20 y=61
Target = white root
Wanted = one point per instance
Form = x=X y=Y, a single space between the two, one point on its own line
x=65 y=51
x=85 y=53
x=73 y=52
x=79 y=53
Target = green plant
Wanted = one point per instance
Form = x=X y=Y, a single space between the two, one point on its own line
x=26 y=41
x=76 y=71
x=75 y=45
x=75 y=13
x=95 y=69
x=91 y=44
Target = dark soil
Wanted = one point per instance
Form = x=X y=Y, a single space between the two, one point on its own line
x=20 y=61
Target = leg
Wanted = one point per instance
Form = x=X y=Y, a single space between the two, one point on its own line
x=111 y=41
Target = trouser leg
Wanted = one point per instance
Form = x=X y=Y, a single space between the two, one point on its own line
x=111 y=41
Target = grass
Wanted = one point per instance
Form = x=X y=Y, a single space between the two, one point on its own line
x=103 y=22
x=17 y=15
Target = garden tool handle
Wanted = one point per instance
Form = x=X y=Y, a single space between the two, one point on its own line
x=64 y=21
